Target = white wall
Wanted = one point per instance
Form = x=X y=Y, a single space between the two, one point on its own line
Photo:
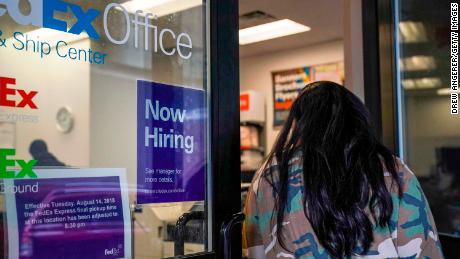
x=353 y=47
x=61 y=82
x=429 y=126
x=255 y=73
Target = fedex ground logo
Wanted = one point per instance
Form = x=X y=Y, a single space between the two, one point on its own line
x=43 y=14
x=6 y=162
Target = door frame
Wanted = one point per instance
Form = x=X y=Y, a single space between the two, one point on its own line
x=223 y=184
x=225 y=122
x=380 y=72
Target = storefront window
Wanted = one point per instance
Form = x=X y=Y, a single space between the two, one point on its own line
x=430 y=135
x=103 y=128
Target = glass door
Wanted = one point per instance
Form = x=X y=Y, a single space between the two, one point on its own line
x=429 y=135
x=411 y=93
x=111 y=140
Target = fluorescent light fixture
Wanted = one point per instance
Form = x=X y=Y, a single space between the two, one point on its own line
x=422 y=83
x=160 y=7
x=408 y=84
x=412 y=32
x=271 y=30
x=428 y=82
x=417 y=63
x=443 y=91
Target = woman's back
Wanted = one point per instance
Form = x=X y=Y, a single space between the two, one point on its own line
x=329 y=188
x=411 y=233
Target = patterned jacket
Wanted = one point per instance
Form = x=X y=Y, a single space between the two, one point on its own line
x=410 y=234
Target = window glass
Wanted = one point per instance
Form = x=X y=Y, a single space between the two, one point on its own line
x=95 y=93
x=430 y=134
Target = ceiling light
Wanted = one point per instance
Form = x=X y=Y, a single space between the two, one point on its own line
x=160 y=7
x=412 y=32
x=428 y=82
x=408 y=84
x=271 y=30
x=422 y=83
x=416 y=63
x=444 y=91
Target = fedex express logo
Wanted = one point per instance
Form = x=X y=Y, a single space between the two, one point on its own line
x=24 y=99
x=42 y=14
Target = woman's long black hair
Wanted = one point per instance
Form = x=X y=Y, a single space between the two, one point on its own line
x=343 y=169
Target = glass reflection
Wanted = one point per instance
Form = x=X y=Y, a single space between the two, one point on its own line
x=431 y=136
x=86 y=114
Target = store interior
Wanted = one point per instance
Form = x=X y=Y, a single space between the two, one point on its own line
x=272 y=71
x=314 y=53
x=331 y=49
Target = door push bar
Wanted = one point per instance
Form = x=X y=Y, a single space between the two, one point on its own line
x=226 y=233
x=179 y=233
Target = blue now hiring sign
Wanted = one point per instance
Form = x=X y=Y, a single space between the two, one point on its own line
x=171 y=143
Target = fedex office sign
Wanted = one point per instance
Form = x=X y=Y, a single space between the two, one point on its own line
x=43 y=12
x=42 y=15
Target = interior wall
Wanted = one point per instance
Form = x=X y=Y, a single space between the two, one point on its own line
x=62 y=82
x=255 y=73
x=353 y=47
x=439 y=129
x=113 y=121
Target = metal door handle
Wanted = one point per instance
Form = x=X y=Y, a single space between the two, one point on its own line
x=226 y=233
x=179 y=235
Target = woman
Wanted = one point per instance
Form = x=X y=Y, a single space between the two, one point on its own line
x=330 y=189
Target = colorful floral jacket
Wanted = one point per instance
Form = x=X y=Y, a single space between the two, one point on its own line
x=410 y=234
